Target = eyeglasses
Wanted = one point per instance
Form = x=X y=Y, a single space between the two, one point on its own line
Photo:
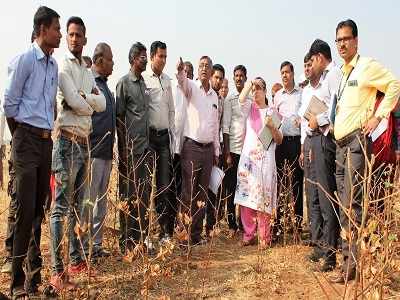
x=345 y=39
x=142 y=57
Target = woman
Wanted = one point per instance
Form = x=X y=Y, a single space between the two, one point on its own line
x=256 y=192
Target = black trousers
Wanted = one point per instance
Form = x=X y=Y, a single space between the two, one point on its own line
x=165 y=199
x=31 y=155
x=230 y=188
x=314 y=210
x=324 y=149
x=288 y=154
x=135 y=189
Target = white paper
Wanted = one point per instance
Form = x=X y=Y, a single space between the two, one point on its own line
x=381 y=128
x=216 y=179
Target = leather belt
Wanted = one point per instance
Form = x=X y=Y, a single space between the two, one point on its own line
x=42 y=133
x=203 y=145
x=73 y=137
x=158 y=132
x=348 y=138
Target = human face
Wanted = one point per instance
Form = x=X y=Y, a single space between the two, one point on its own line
x=159 y=60
x=189 y=71
x=224 y=89
x=258 y=93
x=107 y=63
x=216 y=80
x=307 y=69
x=140 y=62
x=52 y=34
x=205 y=70
x=287 y=76
x=76 y=39
x=240 y=78
x=346 y=43
x=317 y=67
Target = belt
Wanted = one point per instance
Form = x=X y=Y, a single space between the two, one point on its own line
x=73 y=137
x=42 y=133
x=203 y=145
x=158 y=132
x=348 y=138
x=291 y=137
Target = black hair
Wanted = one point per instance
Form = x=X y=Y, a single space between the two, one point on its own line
x=319 y=46
x=156 y=45
x=43 y=16
x=241 y=68
x=348 y=23
x=287 y=63
x=77 y=21
x=218 y=67
x=307 y=57
x=135 y=51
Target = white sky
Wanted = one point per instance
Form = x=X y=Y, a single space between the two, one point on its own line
x=258 y=34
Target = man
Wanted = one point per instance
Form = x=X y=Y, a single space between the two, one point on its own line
x=223 y=92
x=161 y=138
x=323 y=148
x=354 y=119
x=135 y=164
x=275 y=88
x=28 y=105
x=180 y=117
x=201 y=146
x=78 y=97
x=233 y=126
x=101 y=151
x=287 y=102
x=213 y=207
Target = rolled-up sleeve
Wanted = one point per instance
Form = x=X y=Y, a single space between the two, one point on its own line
x=18 y=72
x=71 y=94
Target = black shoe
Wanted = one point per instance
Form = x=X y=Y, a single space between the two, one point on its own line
x=101 y=253
x=7 y=265
x=326 y=267
x=315 y=256
x=341 y=277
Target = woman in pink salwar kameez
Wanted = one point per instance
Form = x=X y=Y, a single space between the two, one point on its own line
x=256 y=192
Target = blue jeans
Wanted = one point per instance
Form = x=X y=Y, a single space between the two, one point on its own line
x=70 y=164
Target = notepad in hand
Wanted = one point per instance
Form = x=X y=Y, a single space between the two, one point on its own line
x=265 y=134
x=315 y=107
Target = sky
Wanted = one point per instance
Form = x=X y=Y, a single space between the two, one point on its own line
x=259 y=34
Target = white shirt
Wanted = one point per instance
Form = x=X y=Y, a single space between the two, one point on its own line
x=308 y=92
x=330 y=80
x=287 y=104
x=180 y=117
x=161 y=107
x=234 y=123
x=75 y=111
x=201 y=124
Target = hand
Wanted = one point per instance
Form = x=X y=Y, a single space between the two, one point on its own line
x=312 y=122
x=301 y=160
x=82 y=94
x=95 y=91
x=371 y=125
x=258 y=82
x=269 y=123
x=180 y=65
x=216 y=160
x=228 y=160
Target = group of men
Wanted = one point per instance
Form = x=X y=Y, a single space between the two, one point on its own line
x=170 y=135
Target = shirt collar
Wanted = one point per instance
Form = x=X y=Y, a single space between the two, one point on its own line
x=39 y=52
x=347 y=68
x=97 y=75
x=133 y=76
x=296 y=88
x=70 y=56
x=210 y=91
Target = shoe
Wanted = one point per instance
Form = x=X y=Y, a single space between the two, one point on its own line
x=200 y=242
x=81 y=268
x=245 y=243
x=315 y=256
x=165 y=239
x=101 y=253
x=7 y=265
x=151 y=250
x=341 y=277
x=325 y=267
x=58 y=283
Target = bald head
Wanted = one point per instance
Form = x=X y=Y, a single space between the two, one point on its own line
x=103 y=59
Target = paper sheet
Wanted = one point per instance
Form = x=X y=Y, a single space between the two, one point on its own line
x=216 y=179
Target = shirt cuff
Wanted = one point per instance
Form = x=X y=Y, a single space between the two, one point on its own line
x=323 y=119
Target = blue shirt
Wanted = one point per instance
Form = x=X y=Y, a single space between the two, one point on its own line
x=31 y=88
